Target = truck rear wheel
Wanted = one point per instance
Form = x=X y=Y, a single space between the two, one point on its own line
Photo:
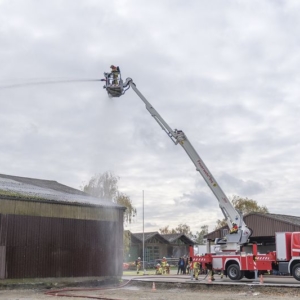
x=296 y=272
x=234 y=272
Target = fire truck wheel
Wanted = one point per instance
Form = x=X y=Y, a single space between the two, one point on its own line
x=296 y=272
x=234 y=272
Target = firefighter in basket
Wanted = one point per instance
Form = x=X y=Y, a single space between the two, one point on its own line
x=138 y=265
x=158 y=270
x=115 y=71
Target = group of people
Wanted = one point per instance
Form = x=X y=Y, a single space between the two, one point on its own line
x=163 y=267
x=187 y=266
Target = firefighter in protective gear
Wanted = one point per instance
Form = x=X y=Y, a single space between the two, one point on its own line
x=234 y=228
x=167 y=268
x=115 y=71
x=211 y=272
x=191 y=264
x=138 y=265
x=164 y=265
x=197 y=268
x=158 y=270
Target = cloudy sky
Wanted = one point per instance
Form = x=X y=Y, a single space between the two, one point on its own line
x=225 y=72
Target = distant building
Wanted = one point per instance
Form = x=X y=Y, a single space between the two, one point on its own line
x=158 y=245
x=48 y=229
x=264 y=226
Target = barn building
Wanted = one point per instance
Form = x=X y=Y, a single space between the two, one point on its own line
x=264 y=226
x=48 y=229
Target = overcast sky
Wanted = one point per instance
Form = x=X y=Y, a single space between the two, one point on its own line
x=225 y=72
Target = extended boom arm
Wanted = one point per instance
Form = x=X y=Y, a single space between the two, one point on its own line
x=231 y=241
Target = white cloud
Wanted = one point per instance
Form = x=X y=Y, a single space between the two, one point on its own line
x=226 y=74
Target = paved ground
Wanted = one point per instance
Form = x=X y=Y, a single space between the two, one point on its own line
x=173 y=287
x=133 y=292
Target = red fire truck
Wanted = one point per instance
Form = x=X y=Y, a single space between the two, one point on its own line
x=230 y=257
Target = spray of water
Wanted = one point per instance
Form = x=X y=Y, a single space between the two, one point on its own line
x=24 y=84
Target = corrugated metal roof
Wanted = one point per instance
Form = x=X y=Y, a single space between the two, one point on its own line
x=47 y=190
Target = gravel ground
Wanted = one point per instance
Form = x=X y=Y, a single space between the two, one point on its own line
x=145 y=293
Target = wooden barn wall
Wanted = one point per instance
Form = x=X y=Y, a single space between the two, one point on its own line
x=37 y=247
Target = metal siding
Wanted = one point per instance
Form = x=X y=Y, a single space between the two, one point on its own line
x=31 y=261
x=3 y=230
x=15 y=261
x=80 y=234
x=265 y=226
x=33 y=232
x=17 y=227
x=58 y=247
x=262 y=226
x=3 y=238
x=79 y=264
x=45 y=266
x=7 y=206
x=58 y=210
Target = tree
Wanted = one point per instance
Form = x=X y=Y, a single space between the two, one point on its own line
x=199 y=237
x=130 y=211
x=181 y=228
x=245 y=206
x=166 y=230
x=105 y=186
x=184 y=229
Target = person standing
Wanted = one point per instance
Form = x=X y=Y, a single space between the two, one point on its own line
x=187 y=266
x=180 y=266
x=191 y=268
x=138 y=265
